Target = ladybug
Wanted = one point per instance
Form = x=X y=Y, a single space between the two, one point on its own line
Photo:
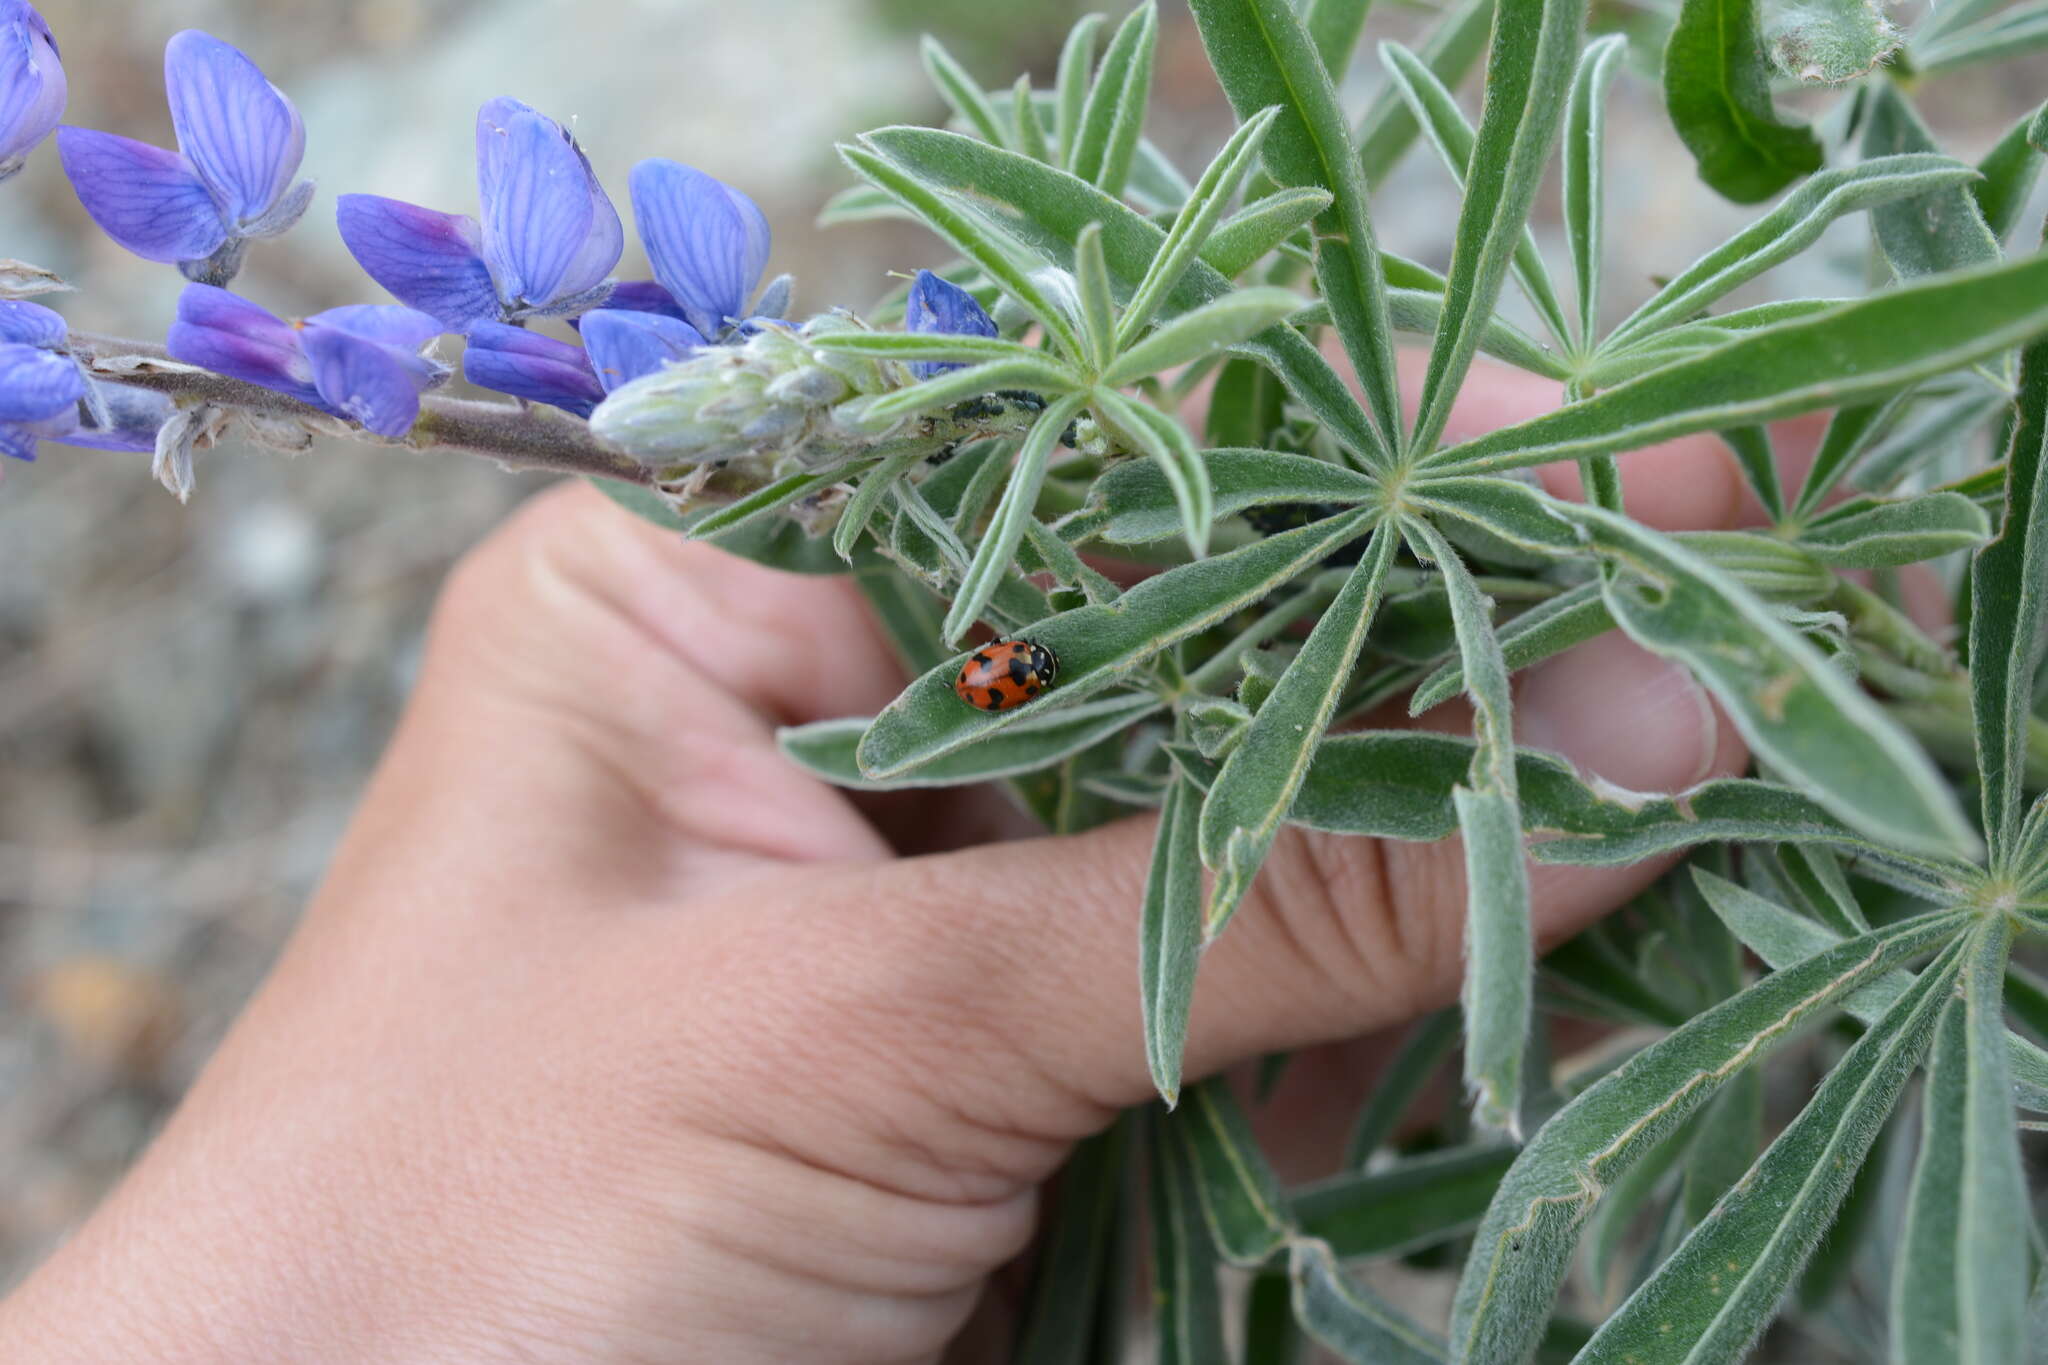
x=1004 y=674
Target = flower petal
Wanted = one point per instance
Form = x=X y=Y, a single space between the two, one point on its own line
x=642 y=296
x=136 y=414
x=433 y=261
x=363 y=381
x=538 y=206
x=147 y=199
x=406 y=328
x=32 y=84
x=938 y=305
x=707 y=241
x=35 y=384
x=229 y=335
x=528 y=365
x=625 y=345
x=19 y=442
x=238 y=130
x=31 y=324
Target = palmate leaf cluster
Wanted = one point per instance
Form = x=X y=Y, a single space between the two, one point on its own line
x=1317 y=549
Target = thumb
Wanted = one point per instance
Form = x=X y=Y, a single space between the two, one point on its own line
x=1339 y=936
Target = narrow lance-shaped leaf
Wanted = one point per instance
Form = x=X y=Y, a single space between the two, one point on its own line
x=1132 y=502
x=1450 y=51
x=1524 y=1242
x=1935 y=231
x=1098 y=308
x=1848 y=352
x=827 y=747
x=1794 y=225
x=1404 y=1205
x=1992 y=1229
x=1585 y=156
x=1246 y=237
x=1077 y=66
x=1247 y=1212
x=1796 y=709
x=1145 y=428
x=1259 y=780
x=980 y=240
x=1437 y=110
x=1717 y=87
x=1031 y=139
x=1097 y=645
x=867 y=498
x=1782 y=938
x=1528 y=74
x=1114 y=116
x=1264 y=58
x=1873 y=535
x=1499 y=939
x=1350 y=1319
x=1059 y=1318
x=1046 y=210
x=998 y=548
x=1187 y=1308
x=961 y=90
x=1190 y=233
x=2007 y=635
x=1333 y=26
x=2006 y=176
x=1170 y=937
x=1719 y=1291
x=1925 y=1270
x=1216 y=326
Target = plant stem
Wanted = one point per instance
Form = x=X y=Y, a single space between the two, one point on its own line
x=514 y=437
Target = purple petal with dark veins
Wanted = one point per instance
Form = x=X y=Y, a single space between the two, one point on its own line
x=626 y=345
x=229 y=335
x=433 y=261
x=147 y=199
x=531 y=366
x=363 y=380
x=707 y=241
x=35 y=384
x=238 y=130
x=32 y=84
x=31 y=324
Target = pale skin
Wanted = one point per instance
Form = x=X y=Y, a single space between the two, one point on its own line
x=614 y=1037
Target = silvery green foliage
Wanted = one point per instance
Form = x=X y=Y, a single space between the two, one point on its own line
x=1854 y=919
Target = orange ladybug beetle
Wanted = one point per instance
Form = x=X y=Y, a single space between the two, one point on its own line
x=1004 y=674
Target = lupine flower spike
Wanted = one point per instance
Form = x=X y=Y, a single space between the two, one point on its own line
x=44 y=396
x=231 y=181
x=544 y=245
x=362 y=363
x=32 y=88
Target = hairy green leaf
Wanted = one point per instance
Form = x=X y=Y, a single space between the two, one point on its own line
x=1132 y=503
x=1528 y=75
x=1258 y=782
x=1114 y=116
x=1867 y=534
x=1527 y=1236
x=1451 y=49
x=1416 y=1202
x=1187 y=1306
x=1851 y=351
x=1717 y=87
x=1246 y=237
x=961 y=90
x=1190 y=233
x=1247 y=1213
x=1939 y=230
x=1265 y=58
x=1585 y=156
x=1351 y=1320
x=1170 y=937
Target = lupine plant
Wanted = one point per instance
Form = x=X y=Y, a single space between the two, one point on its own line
x=977 y=449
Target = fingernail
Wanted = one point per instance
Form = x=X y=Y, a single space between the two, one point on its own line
x=1620 y=713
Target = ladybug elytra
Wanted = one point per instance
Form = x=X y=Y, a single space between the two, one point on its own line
x=1004 y=674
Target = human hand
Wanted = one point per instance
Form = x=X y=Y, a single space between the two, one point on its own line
x=614 y=1037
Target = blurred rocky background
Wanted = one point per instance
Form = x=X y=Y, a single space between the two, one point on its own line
x=191 y=697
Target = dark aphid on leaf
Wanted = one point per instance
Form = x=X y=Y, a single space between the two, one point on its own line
x=1004 y=674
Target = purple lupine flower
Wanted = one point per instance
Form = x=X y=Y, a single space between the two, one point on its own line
x=938 y=305
x=544 y=245
x=232 y=179
x=42 y=390
x=708 y=244
x=362 y=362
x=619 y=345
x=32 y=87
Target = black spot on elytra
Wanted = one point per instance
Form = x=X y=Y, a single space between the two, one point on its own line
x=1020 y=669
